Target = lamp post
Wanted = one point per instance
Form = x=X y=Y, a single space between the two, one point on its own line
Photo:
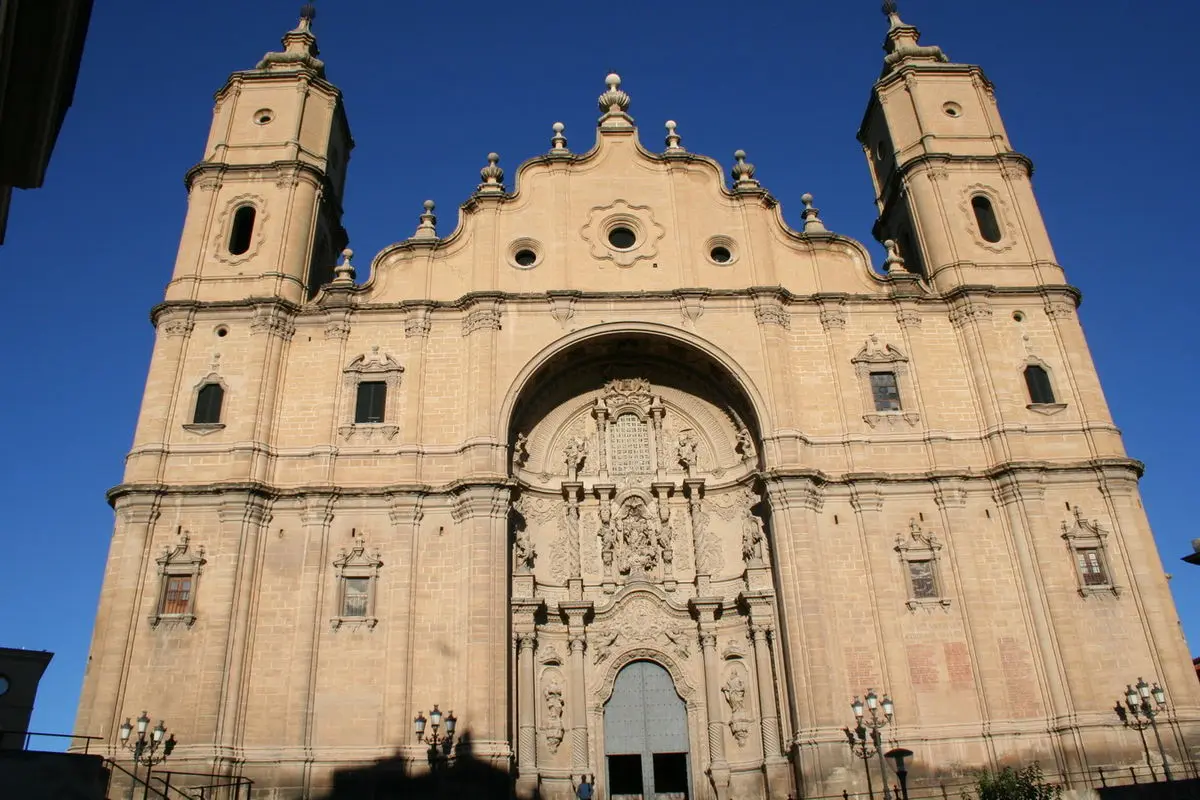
x=439 y=743
x=1138 y=713
x=898 y=754
x=868 y=727
x=147 y=751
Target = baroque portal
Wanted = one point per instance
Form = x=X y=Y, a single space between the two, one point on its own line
x=638 y=539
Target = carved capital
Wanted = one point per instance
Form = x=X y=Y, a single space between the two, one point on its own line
x=339 y=329
x=416 y=322
x=176 y=327
x=972 y=311
x=908 y=318
x=773 y=314
x=1059 y=309
x=273 y=322
x=833 y=318
x=484 y=319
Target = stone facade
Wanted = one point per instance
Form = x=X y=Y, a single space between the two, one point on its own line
x=628 y=415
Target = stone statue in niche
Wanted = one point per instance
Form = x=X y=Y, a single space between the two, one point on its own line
x=685 y=450
x=554 y=714
x=574 y=454
x=754 y=538
x=735 y=692
x=523 y=550
x=608 y=538
x=520 y=451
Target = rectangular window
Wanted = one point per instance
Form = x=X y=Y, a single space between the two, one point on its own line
x=1091 y=566
x=924 y=583
x=371 y=398
x=355 y=592
x=1038 y=383
x=177 y=595
x=885 y=391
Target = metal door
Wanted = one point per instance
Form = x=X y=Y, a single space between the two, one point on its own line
x=645 y=718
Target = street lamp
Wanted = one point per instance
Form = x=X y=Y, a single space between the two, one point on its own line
x=1138 y=713
x=898 y=754
x=867 y=728
x=439 y=743
x=146 y=751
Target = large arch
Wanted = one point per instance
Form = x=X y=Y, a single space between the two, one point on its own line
x=543 y=363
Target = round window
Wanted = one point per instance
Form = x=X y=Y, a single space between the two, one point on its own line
x=622 y=238
x=525 y=258
x=263 y=116
x=721 y=255
x=952 y=109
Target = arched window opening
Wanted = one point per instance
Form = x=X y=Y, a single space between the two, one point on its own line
x=208 y=404
x=243 y=229
x=985 y=217
x=1038 y=383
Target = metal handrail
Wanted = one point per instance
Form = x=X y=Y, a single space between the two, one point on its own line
x=30 y=734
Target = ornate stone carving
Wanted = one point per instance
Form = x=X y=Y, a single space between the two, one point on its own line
x=908 y=318
x=575 y=454
x=640 y=621
x=1059 y=309
x=562 y=306
x=177 y=327
x=178 y=562
x=224 y=224
x=270 y=321
x=833 y=318
x=971 y=311
x=639 y=219
x=734 y=691
x=745 y=446
x=523 y=550
x=685 y=451
x=642 y=543
x=754 y=537
x=338 y=329
x=481 y=319
x=1000 y=210
x=416 y=323
x=520 y=451
x=773 y=314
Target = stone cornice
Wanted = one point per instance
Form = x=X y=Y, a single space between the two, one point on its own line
x=467 y=301
x=219 y=169
x=816 y=479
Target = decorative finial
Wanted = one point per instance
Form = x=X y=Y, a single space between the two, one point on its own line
x=812 y=216
x=673 y=138
x=614 y=101
x=308 y=12
x=427 y=229
x=492 y=175
x=894 y=263
x=558 y=142
x=344 y=272
x=742 y=171
x=892 y=12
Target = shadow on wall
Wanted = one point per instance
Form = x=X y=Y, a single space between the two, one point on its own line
x=456 y=776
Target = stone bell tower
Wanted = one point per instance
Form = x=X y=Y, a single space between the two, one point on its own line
x=951 y=191
x=265 y=203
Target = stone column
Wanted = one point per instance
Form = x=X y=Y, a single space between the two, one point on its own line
x=572 y=491
x=693 y=488
x=526 y=713
x=576 y=614
x=657 y=454
x=706 y=609
x=600 y=413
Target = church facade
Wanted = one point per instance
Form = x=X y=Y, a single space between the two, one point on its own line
x=594 y=470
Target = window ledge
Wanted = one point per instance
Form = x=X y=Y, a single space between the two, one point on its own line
x=368 y=431
x=353 y=623
x=1046 y=408
x=892 y=418
x=1100 y=591
x=927 y=603
x=204 y=428
x=187 y=620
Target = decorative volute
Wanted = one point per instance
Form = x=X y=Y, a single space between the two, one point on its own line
x=299 y=48
x=903 y=42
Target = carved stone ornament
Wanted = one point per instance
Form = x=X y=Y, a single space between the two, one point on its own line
x=483 y=319
x=640 y=622
x=628 y=392
x=176 y=327
x=638 y=541
x=754 y=537
x=908 y=318
x=337 y=329
x=416 y=322
x=356 y=562
x=520 y=452
x=1088 y=544
x=1059 y=309
x=639 y=219
x=773 y=314
x=523 y=550
x=372 y=366
x=833 y=318
x=272 y=321
x=562 y=306
x=922 y=547
x=971 y=311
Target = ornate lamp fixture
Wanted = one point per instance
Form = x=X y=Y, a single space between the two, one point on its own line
x=147 y=751
x=1139 y=714
x=439 y=743
x=865 y=739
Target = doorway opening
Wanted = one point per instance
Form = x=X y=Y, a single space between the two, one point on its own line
x=645 y=736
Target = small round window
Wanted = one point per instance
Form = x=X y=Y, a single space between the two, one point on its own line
x=952 y=109
x=721 y=254
x=263 y=116
x=525 y=258
x=622 y=237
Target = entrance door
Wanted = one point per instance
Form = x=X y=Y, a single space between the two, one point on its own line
x=645 y=736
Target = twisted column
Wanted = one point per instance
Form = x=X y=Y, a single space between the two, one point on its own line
x=768 y=711
x=526 y=710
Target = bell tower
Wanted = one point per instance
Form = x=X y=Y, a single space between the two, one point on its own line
x=265 y=203
x=950 y=189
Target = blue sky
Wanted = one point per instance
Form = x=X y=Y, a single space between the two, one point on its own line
x=1100 y=95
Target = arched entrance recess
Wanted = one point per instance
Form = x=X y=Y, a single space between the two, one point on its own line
x=639 y=528
x=646 y=736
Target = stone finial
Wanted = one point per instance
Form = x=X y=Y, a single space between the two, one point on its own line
x=903 y=41
x=344 y=272
x=894 y=263
x=427 y=229
x=299 y=48
x=812 y=216
x=308 y=13
x=742 y=171
x=492 y=175
x=558 y=142
x=614 y=101
x=673 y=139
